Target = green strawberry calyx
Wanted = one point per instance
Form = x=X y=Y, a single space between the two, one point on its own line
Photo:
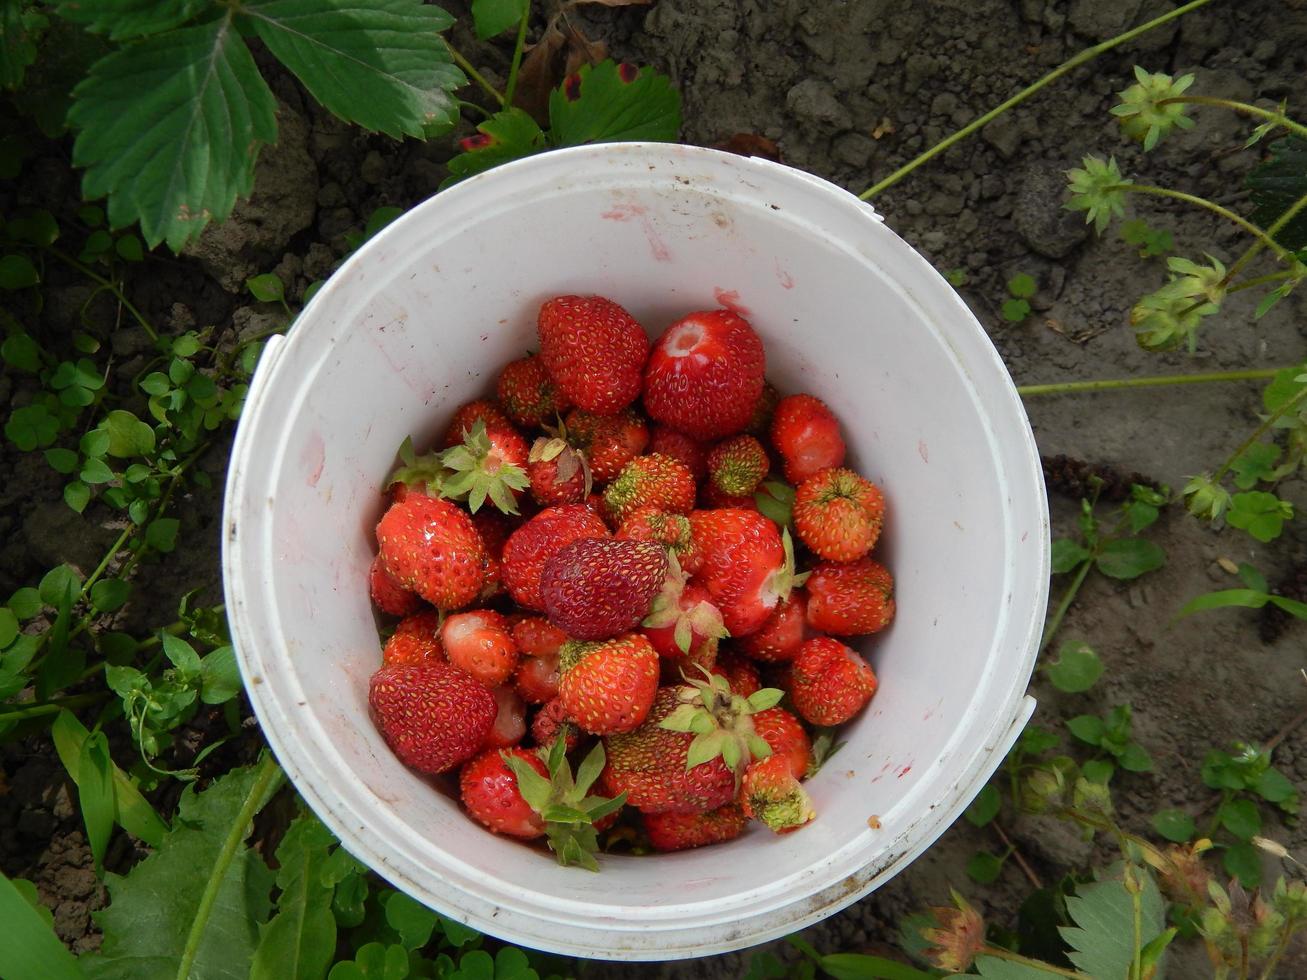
x=564 y=803
x=721 y=723
x=476 y=472
x=425 y=473
x=703 y=618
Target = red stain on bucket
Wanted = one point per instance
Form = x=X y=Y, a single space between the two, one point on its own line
x=730 y=299
x=625 y=212
x=314 y=459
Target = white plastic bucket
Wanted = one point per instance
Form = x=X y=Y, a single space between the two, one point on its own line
x=422 y=318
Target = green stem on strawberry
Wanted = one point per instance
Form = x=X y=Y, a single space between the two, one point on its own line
x=979 y=123
x=1263 y=237
x=1154 y=381
x=1006 y=954
x=1260 y=431
x=1278 y=118
x=1068 y=597
x=1276 y=226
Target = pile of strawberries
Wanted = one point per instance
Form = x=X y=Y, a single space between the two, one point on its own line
x=597 y=567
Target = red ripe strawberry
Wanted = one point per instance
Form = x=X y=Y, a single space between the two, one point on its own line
x=829 y=682
x=432 y=548
x=672 y=531
x=850 y=598
x=679 y=446
x=714 y=499
x=433 y=716
x=480 y=643
x=594 y=350
x=747 y=565
x=389 y=595
x=559 y=474
x=537 y=679
x=683 y=621
x=529 y=396
x=787 y=738
x=838 y=514
x=510 y=719
x=705 y=374
x=649 y=765
x=596 y=588
x=550 y=722
x=532 y=544
x=737 y=465
x=535 y=636
x=608 y=686
x=763 y=410
x=416 y=640
x=740 y=672
x=807 y=435
x=680 y=831
x=490 y=793
x=466 y=418
x=608 y=442
x=650 y=481
x=780 y=637
x=772 y=794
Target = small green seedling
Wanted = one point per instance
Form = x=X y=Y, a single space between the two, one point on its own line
x=1017 y=307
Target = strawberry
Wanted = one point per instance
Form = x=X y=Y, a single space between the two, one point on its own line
x=537 y=679
x=510 y=719
x=535 y=636
x=787 y=738
x=829 y=682
x=468 y=415
x=550 y=722
x=389 y=595
x=489 y=462
x=773 y=795
x=780 y=636
x=650 y=765
x=480 y=642
x=850 y=598
x=679 y=446
x=416 y=639
x=748 y=566
x=608 y=686
x=682 y=621
x=680 y=831
x=431 y=547
x=608 y=442
x=763 y=411
x=705 y=374
x=672 y=531
x=737 y=465
x=594 y=350
x=433 y=716
x=527 y=393
x=559 y=474
x=741 y=673
x=489 y=791
x=838 y=514
x=650 y=481
x=532 y=544
x=596 y=588
x=713 y=499
x=807 y=435
x=494 y=530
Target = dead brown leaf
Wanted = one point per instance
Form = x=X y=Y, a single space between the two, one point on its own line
x=561 y=50
x=752 y=145
x=883 y=128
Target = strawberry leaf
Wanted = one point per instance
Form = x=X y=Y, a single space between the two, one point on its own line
x=507 y=135
x=758 y=746
x=562 y=813
x=31 y=948
x=1276 y=184
x=18 y=30
x=590 y=768
x=491 y=17
x=121 y=19
x=599 y=807
x=300 y=939
x=683 y=634
x=611 y=103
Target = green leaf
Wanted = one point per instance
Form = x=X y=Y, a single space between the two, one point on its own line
x=181 y=654
x=507 y=135
x=1255 y=463
x=1127 y=558
x=1076 y=669
x=95 y=792
x=220 y=678
x=26 y=603
x=1022 y=285
x=1240 y=817
x=1098 y=771
x=21 y=352
x=129 y=248
x=1252 y=578
x=1102 y=939
x=19 y=29
x=984 y=868
x=95 y=471
x=491 y=17
x=8 y=626
x=612 y=103
x=775 y=501
x=984 y=807
x=31 y=950
x=1015 y=310
x=992 y=968
x=1175 y=825
x=1273 y=786
x=128 y=435
x=378 y=63
x=1135 y=758
x=1292 y=606
x=1276 y=184
x=17 y=272
x=161 y=535
x=77 y=495
x=1243 y=861
x=535 y=789
x=59 y=584
x=299 y=942
x=61 y=460
x=170 y=129
x=1088 y=728
x=1066 y=555
x=31 y=427
x=155 y=907
x=859 y=966
x=266 y=288
x=458 y=934
x=411 y=919
x=1259 y=513
x=109 y=594
x=121 y=19
x=1246 y=598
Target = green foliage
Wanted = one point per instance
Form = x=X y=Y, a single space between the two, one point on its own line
x=1276 y=184
x=1146 y=112
x=1111 y=734
x=1259 y=513
x=1150 y=241
x=299 y=941
x=1021 y=288
x=1076 y=669
x=1097 y=188
x=491 y=17
x=775 y=500
x=31 y=950
x=1175 y=825
x=1254 y=595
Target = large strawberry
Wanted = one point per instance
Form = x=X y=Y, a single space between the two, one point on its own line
x=608 y=442
x=705 y=374
x=431 y=547
x=532 y=544
x=672 y=531
x=489 y=791
x=829 y=682
x=807 y=435
x=416 y=640
x=433 y=716
x=607 y=686
x=773 y=795
x=650 y=481
x=779 y=637
x=389 y=595
x=594 y=350
x=748 y=565
x=679 y=831
x=596 y=588
x=480 y=642
x=527 y=393
x=838 y=514
x=850 y=598
x=679 y=446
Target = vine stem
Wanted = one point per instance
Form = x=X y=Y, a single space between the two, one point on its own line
x=1155 y=381
x=36 y=709
x=269 y=774
x=1017 y=855
x=1068 y=597
x=1260 y=431
x=108 y=284
x=1271 y=232
x=1262 y=236
x=1005 y=954
x=1086 y=55
x=510 y=87
x=473 y=74
x=1242 y=107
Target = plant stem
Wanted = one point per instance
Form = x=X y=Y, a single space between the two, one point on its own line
x=1271 y=232
x=473 y=74
x=1068 y=597
x=1243 y=107
x=464 y=104
x=1005 y=954
x=1260 y=431
x=269 y=774
x=1281 y=947
x=1263 y=237
x=1087 y=55
x=1261 y=280
x=1016 y=854
x=1155 y=381
x=510 y=87
x=109 y=556
x=107 y=284
x=35 y=709
x=1137 y=900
